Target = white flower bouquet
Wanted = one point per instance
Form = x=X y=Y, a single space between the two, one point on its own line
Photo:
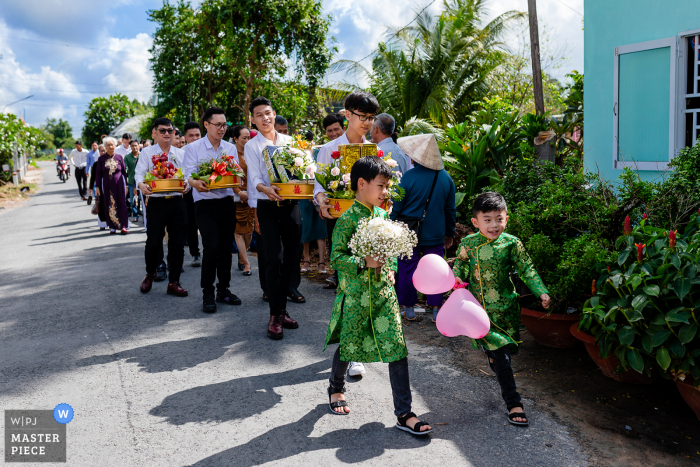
x=382 y=239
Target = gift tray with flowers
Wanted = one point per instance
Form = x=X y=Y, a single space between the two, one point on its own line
x=221 y=172
x=164 y=176
x=291 y=168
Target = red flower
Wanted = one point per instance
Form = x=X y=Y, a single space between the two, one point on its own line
x=645 y=216
x=608 y=268
x=628 y=225
x=672 y=238
x=594 y=289
x=335 y=155
x=640 y=251
x=380 y=153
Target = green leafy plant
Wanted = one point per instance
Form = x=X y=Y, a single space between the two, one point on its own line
x=645 y=311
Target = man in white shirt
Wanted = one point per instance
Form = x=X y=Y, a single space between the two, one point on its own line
x=215 y=212
x=360 y=110
x=279 y=219
x=192 y=134
x=124 y=148
x=78 y=157
x=164 y=210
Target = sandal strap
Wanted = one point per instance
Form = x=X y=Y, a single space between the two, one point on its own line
x=402 y=419
x=514 y=405
x=517 y=415
x=335 y=405
x=419 y=425
x=341 y=390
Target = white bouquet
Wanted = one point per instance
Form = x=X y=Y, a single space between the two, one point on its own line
x=382 y=239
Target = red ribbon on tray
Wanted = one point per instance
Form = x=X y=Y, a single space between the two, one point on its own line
x=219 y=168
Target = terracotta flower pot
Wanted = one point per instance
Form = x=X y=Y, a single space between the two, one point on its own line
x=608 y=365
x=550 y=330
x=690 y=395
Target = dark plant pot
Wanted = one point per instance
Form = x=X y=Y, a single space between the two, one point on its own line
x=551 y=330
x=690 y=395
x=608 y=365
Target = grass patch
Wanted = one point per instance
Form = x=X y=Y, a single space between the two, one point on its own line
x=9 y=192
x=47 y=157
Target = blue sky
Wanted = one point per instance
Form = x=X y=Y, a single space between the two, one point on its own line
x=65 y=53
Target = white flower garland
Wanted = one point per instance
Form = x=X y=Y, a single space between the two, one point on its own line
x=382 y=239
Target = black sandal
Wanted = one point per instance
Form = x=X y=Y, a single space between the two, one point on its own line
x=295 y=297
x=337 y=404
x=513 y=415
x=330 y=286
x=401 y=425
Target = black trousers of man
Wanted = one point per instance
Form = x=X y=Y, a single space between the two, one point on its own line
x=81 y=178
x=280 y=228
x=216 y=220
x=192 y=238
x=294 y=280
x=170 y=212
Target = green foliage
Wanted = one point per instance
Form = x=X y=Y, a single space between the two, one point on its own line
x=14 y=130
x=104 y=114
x=645 y=311
x=58 y=134
x=223 y=51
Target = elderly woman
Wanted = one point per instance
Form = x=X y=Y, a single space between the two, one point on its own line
x=110 y=183
x=101 y=219
x=245 y=215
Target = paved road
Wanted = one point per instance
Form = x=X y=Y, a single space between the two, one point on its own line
x=154 y=381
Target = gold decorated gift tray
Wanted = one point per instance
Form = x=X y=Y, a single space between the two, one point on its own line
x=351 y=153
x=339 y=206
x=227 y=181
x=296 y=189
x=167 y=185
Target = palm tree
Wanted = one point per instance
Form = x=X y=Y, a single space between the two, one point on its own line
x=435 y=69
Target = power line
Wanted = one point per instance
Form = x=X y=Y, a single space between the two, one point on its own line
x=567 y=6
x=73 y=46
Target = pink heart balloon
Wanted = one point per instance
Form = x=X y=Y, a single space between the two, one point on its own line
x=433 y=275
x=462 y=315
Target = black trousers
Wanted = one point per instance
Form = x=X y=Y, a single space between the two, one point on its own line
x=280 y=228
x=216 y=220
x=504 y=374
x=330 y=225
x=165 y=212
x=192 y=238
x=294 y=280
x=81 y=178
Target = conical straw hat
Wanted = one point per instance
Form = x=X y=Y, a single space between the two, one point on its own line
x=423 y=149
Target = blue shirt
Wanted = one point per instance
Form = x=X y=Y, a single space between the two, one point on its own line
x=441 y=217
x=388 y=146
x=91 y=160
x=200 y=151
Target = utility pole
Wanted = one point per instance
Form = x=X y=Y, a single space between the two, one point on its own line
x=535 y=51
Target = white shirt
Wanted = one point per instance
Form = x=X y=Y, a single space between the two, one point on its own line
x=122 y=151
x=324 y=157
x=257 y=172
x=79 y=158
x=200 y=151
x=145 y=164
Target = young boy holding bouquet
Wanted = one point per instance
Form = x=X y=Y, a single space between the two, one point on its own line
x=485 y=260
x=365 y=320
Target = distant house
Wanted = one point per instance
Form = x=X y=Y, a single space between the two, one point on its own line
x=130 y=125
x=642 y=88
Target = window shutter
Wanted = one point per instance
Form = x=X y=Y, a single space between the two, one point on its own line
x=644 y=104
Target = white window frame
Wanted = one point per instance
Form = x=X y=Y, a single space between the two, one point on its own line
x=672 y=43
x=682 y=86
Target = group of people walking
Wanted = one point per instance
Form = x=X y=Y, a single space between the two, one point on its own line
x=279 y=227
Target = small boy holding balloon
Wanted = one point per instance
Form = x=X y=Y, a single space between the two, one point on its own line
x=485 y=260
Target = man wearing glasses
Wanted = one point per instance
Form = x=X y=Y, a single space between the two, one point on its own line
x=164 y=210
x=215 y=212
x=360 y=110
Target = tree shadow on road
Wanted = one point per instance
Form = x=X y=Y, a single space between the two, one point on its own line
x=294 y=438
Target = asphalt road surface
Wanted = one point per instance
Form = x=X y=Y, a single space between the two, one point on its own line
x=156 y=382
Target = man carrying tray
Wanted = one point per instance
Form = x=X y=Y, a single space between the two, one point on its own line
x=164 y=209
x=279 y=219
x=215 y=211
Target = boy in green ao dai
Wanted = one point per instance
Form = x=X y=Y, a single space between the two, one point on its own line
x=365 y=320
x=485 y=260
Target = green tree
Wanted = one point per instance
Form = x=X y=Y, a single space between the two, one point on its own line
x=222 y=52
x=14 y=130
x=61 y=133
x=104 y=114
x=436 y=69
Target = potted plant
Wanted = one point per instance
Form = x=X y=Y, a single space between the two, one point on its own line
x=643 y=316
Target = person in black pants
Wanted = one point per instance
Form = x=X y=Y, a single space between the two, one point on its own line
x=215 y=212
x=191 y=135
x=164 y=210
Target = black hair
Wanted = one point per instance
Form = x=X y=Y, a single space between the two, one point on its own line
x=126 y=136
x=308 y=135
x=236 y=131
x=189 y=126
x=489 y=202
x=79 y=142
x=161 y=121
x=330 y=119
x=210 y=112
x=362 y=101
x=177 y=131
x=134 y=141
x=260 y=100
x=280 y=120
x=369 y=168
x=94 y=142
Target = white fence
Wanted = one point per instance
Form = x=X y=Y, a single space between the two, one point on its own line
x=20 y=165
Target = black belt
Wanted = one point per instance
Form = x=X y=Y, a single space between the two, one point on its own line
x=286 y=202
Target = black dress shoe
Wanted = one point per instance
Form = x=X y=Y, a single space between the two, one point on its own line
x=295 y=296
x=247 y=273
x=161 y=273
x=287 y=321
x=274 y=328
x=227 y=297
x=208 y=304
